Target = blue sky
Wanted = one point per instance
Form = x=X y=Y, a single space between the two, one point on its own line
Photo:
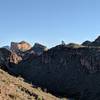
x=49 y=21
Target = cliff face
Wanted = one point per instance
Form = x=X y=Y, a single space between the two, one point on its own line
x=4 y=58
x=24 y=49
x=8 y=59
x=66 y=71
x=19 y=51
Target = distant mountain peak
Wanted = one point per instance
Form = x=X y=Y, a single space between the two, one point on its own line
x=39 y=48
x=97 y=39
x=95 y=43
x=22 y=46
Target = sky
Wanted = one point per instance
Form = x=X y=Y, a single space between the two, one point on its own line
x=49 y=21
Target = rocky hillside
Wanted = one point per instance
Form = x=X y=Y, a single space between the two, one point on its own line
x=12 y=88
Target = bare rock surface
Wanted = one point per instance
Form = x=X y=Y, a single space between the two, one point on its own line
x=21 y=46
x=14 y=58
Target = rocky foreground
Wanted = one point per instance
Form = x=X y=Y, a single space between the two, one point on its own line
x=69 y=70
x=12 y=88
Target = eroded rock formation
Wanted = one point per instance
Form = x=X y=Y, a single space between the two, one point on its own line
x=14 y=58
x=21 y=46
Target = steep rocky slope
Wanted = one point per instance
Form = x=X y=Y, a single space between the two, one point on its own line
x=12 y=88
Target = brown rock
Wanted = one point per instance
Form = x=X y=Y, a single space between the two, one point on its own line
x=14 y=58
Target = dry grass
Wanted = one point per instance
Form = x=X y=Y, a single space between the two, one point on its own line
x=12 y=88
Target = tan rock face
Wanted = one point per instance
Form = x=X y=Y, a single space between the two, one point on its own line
x=14 y=58
x=21 y=46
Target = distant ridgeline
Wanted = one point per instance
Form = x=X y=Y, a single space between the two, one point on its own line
x=94 y=43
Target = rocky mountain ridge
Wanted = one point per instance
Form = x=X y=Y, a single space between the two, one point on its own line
x=67 y=70
x=95 y=43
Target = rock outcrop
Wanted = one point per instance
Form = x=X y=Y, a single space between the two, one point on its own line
x=8 y=59
x=39 y=48
x=21 y=46
x=14 y=58
x=24 y=49
x=20 y=51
